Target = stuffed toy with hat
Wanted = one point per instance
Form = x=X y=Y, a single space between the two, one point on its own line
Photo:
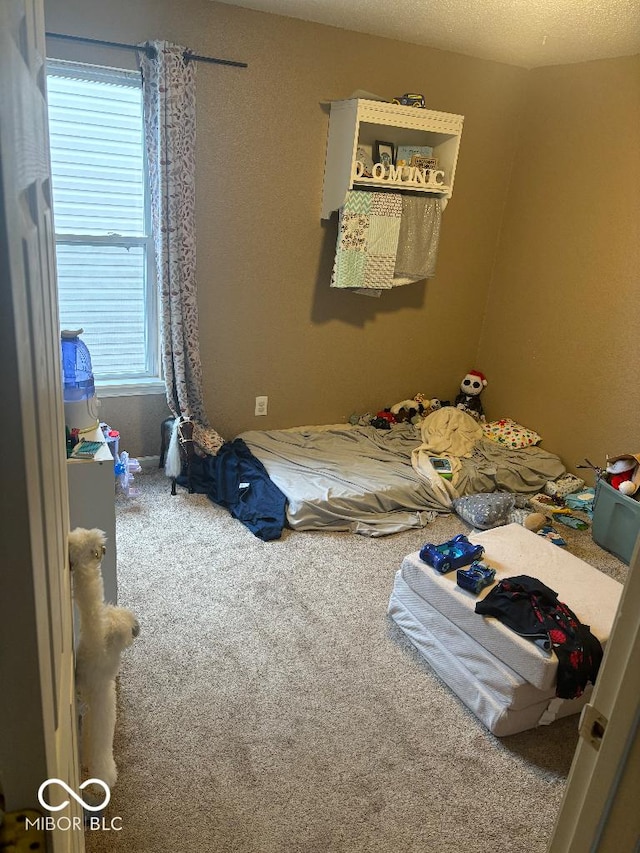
x=468 y=400
x=623 y=473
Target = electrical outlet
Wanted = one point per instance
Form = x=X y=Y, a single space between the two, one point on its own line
x=261 y=405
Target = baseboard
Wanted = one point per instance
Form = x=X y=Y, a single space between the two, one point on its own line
x=149 y=463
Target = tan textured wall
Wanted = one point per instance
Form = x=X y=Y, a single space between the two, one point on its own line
x=138 y=420
x=560 y=338
x=269 y=322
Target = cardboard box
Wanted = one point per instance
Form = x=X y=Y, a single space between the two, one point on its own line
x=616 y=521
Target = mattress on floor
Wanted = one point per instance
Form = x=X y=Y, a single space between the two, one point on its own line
x=513 y=550
x=508 y=686
x=503 y=701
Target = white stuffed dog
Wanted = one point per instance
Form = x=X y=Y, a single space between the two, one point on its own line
x=105 y=630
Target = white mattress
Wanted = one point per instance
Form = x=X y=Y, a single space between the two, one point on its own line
x=497 y=695
x=507 y=685
x=513 y=550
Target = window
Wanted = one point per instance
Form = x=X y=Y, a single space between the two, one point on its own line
x=106 y=281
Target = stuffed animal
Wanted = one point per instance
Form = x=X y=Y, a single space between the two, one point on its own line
x=408 y=410
x=535 y=521
x=105 y=631
x=468 y=400
x=430 y=405
x=624 y=473
x=384 y=419
x=415 y=410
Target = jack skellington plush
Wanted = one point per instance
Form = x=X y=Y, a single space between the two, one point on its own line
x=469 y=397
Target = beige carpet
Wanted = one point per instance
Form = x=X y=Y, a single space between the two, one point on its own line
x=270 y=705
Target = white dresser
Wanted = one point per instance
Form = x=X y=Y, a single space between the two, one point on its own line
x=92 y=504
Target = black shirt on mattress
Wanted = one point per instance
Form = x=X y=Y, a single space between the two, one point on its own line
x=531 y=609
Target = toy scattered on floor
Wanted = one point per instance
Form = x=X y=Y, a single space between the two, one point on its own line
x=105 y=631
x=563 y=486
x=559 y=509
x=468 y=400
x=571 y=521
x=549 y=533
x=450 y=555
x=623 y=473
x=476 y=577
x=125 y=468
x=547 y=505
x=535 y=521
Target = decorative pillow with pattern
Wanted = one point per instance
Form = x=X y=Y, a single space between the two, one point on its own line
x=485 y=510
x=510 y=433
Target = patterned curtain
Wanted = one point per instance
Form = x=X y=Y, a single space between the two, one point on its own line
x=169 y=92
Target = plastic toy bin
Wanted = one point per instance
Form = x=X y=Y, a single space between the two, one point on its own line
x=616 y=521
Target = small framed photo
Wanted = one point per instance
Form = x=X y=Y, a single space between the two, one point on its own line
x=383 y=152
x=424 y=162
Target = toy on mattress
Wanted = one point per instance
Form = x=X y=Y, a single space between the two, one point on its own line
x=420 y=406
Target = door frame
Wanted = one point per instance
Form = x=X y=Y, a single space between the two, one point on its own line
x=38 y=731
x=599 y=810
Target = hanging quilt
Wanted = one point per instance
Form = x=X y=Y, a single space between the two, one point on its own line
x=368 y=229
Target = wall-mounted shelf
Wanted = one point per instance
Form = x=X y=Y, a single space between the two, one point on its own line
x=358 y=122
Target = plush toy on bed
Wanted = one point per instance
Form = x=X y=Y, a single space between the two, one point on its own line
x=414 y=410
x=408 y=410
x=384 y=419
x=469 y=397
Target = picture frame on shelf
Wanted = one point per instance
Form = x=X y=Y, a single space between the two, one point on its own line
x=406 y=152
x=384 y=152
x=363 y=155
x=424 y=162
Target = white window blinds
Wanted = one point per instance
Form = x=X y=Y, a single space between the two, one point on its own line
x=100 y=202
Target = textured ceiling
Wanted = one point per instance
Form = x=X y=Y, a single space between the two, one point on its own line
x=519 y=32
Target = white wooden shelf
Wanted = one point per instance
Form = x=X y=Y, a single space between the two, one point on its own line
x=364 y=183
x=359 y=122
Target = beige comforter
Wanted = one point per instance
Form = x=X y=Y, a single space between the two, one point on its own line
x=446 y=432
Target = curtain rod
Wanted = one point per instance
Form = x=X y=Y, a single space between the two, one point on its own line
x=149 y=49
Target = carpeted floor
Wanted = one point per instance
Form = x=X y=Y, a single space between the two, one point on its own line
x=270 y=705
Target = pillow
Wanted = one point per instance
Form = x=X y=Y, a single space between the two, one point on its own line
x=510 y=433
x=485 y=510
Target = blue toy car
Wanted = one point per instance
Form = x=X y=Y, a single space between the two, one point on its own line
x=476 y=577
x=454 y=554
